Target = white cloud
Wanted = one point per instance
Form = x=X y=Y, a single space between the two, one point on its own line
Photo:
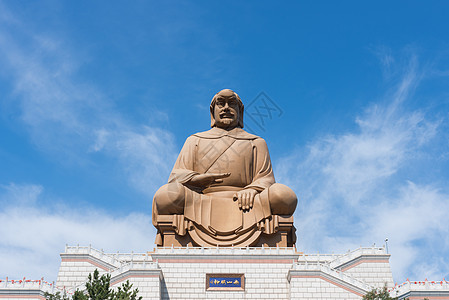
x=146 y=155
x=71 y=119
x=415 y=221
x=386 y=59
x=33 y=235
x=360 y=187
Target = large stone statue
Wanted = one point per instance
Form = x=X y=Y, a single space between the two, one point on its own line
x=221 y=191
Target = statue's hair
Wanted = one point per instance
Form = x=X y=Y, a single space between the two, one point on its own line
x=219 y=95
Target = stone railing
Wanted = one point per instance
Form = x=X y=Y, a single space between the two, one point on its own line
x=327 y=269
x=316 y=257
x=125 y=257
x=350 y=255
x=410 y=286
x=27 y=284
x=135 y=266
x=99 y=254
x=227 y=251
x=115 y=259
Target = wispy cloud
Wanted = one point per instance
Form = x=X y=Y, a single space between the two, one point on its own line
x=415 y=221
x=71 y=119
x=360 y=187
x=73 y=122
x=33 y=235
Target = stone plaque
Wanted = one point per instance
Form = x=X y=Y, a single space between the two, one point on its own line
x=225 y=282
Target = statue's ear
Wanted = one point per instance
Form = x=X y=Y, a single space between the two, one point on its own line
x=212 y=119
x=240 y=124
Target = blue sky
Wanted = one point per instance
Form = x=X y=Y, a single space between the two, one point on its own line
x=97 y=99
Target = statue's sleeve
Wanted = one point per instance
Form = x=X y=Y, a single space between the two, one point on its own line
x=263 y=176
x=183 y=170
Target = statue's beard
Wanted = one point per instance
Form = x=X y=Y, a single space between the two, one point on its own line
x=227 y=121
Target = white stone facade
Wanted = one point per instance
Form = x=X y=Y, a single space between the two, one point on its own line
x=270 y=273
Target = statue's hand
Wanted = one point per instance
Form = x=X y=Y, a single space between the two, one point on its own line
x=245 y=198
x=205 y=180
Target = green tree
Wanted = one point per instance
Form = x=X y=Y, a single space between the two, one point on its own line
x=124 y=292
x=99 y=288
x=378 y=294
x=56 y=296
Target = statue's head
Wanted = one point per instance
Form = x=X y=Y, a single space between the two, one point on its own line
x=226 y=110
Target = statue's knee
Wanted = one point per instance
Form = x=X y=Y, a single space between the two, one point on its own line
x=283 y=199
x=169 y=199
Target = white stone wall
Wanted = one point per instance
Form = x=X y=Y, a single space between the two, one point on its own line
x=149 y=287
x=270 y=273
x=375 y=273
x=317 y=281
x=78 y=262
x=184 y=272
x=370 y=265
x=144 y=275
x=187 y=280
x=74 y=273
x=318 y=288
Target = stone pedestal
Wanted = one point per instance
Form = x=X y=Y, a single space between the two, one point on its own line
x=284 y=236
x=172 y=273
x=268 y=272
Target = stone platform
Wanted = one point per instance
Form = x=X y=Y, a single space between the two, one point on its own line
x=267 y=273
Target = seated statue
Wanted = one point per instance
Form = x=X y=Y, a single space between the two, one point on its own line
x=221 y=191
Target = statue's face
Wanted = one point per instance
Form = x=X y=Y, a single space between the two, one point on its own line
x=226 y=112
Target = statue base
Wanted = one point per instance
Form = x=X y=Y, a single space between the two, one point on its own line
x=232 y=273
x=174 y=273
x=283 y=237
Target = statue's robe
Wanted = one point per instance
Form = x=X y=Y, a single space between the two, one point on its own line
x=213 y=213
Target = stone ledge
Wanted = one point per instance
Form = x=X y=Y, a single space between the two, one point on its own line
x=118 y=277
x=105 y=266
x=330 y=275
